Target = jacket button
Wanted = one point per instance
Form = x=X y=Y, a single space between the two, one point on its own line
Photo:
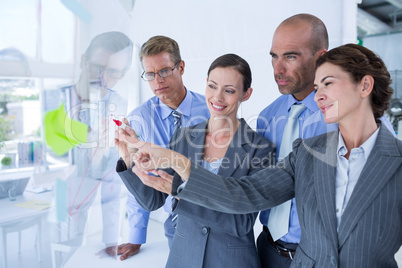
x=205 y=230
x=333 y=261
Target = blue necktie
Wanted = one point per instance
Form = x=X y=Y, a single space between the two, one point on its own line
x=278 y=221
x=177 y=124
x=177 y=120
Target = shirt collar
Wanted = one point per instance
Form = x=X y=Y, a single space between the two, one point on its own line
x=367 y=146
x=308 y=102
x=184 y=107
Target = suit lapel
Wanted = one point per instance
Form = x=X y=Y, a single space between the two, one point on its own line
x=324 y=182
x=235 y=152
x=379 y=168
x=196 y=142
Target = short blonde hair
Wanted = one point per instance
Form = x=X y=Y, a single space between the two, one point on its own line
x=158 y=44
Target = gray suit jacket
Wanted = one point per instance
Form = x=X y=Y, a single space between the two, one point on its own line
x=370 y=232
x=204 y=237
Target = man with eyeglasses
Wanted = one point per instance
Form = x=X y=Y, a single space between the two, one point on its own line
x=93 y=101
x=156 y=120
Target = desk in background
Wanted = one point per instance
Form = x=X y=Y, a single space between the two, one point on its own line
x=16 y=219
x=10 y=213
x=151 y=255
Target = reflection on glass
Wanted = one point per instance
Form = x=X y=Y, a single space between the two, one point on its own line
x=91 y=104
x=42 y=46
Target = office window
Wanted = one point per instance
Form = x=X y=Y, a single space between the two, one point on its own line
x=57 y=42
x=19 y=20
x=36 y=55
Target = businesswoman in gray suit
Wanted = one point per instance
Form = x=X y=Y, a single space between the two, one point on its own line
x=223 y=145
x=347 y=183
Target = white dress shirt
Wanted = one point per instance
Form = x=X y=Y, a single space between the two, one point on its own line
x=348 y=171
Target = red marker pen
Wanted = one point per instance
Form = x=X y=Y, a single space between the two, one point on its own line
x=119 y=123
x=122 y=125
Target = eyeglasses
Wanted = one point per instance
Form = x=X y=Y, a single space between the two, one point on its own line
x=112 y=73
x=162 y=73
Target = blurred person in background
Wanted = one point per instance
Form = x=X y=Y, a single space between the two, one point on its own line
x=93 y=101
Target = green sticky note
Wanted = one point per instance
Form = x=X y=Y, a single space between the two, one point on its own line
x=63 y=133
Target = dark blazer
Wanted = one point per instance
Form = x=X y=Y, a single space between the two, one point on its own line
x=370 y=232
x=204 y=237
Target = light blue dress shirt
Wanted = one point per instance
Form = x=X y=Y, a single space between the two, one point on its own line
x=348 y=171
x=154 y=122
x=271 y=123
x=211 y=166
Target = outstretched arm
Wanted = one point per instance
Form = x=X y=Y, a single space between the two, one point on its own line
x=148 y=156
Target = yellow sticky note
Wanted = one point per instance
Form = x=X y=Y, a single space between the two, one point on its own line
x=34 y=204
x=63 y=133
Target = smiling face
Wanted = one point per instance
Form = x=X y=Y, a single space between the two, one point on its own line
x=338 y=97
x=170 y=90
x=293 y=60
x=224 y=92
